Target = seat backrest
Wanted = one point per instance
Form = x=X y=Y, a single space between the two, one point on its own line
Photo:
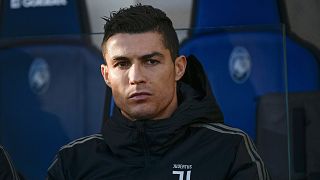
x=242 y=66
x=233 y=64
x=51 y=89
x=246 y=59
x=216 y=13
x=49 y=95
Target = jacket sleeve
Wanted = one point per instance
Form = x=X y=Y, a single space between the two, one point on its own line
x=7 y=170
x=55 y=171
x=247 y=163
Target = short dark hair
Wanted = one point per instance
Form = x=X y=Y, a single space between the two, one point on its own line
x=140 y=19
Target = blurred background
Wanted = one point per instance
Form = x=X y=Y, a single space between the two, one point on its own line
x=261 y=56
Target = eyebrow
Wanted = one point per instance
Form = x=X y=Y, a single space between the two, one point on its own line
x=153 y=54
x=146 y=56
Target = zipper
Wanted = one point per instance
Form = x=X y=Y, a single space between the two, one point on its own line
x=143 y=140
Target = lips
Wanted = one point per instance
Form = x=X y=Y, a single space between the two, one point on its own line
x=139 y=95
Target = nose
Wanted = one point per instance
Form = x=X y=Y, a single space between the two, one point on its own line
x=136 y=75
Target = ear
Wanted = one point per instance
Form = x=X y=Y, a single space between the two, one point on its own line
x=105 y=74
x=180 y=67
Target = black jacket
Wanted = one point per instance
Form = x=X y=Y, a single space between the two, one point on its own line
x=7 y=169
x=193 y=144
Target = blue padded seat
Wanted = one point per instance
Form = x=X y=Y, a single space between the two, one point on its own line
x=49 y=95
x=51 y=89
x=237 y=95
x=247 y=37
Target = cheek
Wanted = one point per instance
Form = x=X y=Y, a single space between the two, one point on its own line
x=117 y=84
x=116 y=79
x=118 y=96
x=166 y=83
x=168 y=77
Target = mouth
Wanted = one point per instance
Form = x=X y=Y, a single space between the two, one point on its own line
x=139 y=95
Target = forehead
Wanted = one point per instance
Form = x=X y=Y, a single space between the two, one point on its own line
x=126 y=44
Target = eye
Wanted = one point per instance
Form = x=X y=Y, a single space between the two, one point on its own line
x=122 y=64
x=152 y=62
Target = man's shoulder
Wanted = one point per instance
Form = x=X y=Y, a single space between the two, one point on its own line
x=225 y=137
x=7 y=169
x=75 y=153
x=83 y=143
x=222 y=130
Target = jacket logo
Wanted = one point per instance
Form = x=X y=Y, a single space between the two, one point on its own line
x=184 y=171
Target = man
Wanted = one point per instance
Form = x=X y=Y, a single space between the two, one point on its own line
x=166 y=123
x=7 y=170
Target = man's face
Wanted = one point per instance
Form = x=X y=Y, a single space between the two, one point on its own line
x=142 y=75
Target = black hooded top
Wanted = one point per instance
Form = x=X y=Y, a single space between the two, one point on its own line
x=193 y=144
x=7 y=169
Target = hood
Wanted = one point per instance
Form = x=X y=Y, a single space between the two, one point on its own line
x=203 y=97
x=129 y=139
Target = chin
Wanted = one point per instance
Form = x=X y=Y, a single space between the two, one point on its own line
x=143 y=114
